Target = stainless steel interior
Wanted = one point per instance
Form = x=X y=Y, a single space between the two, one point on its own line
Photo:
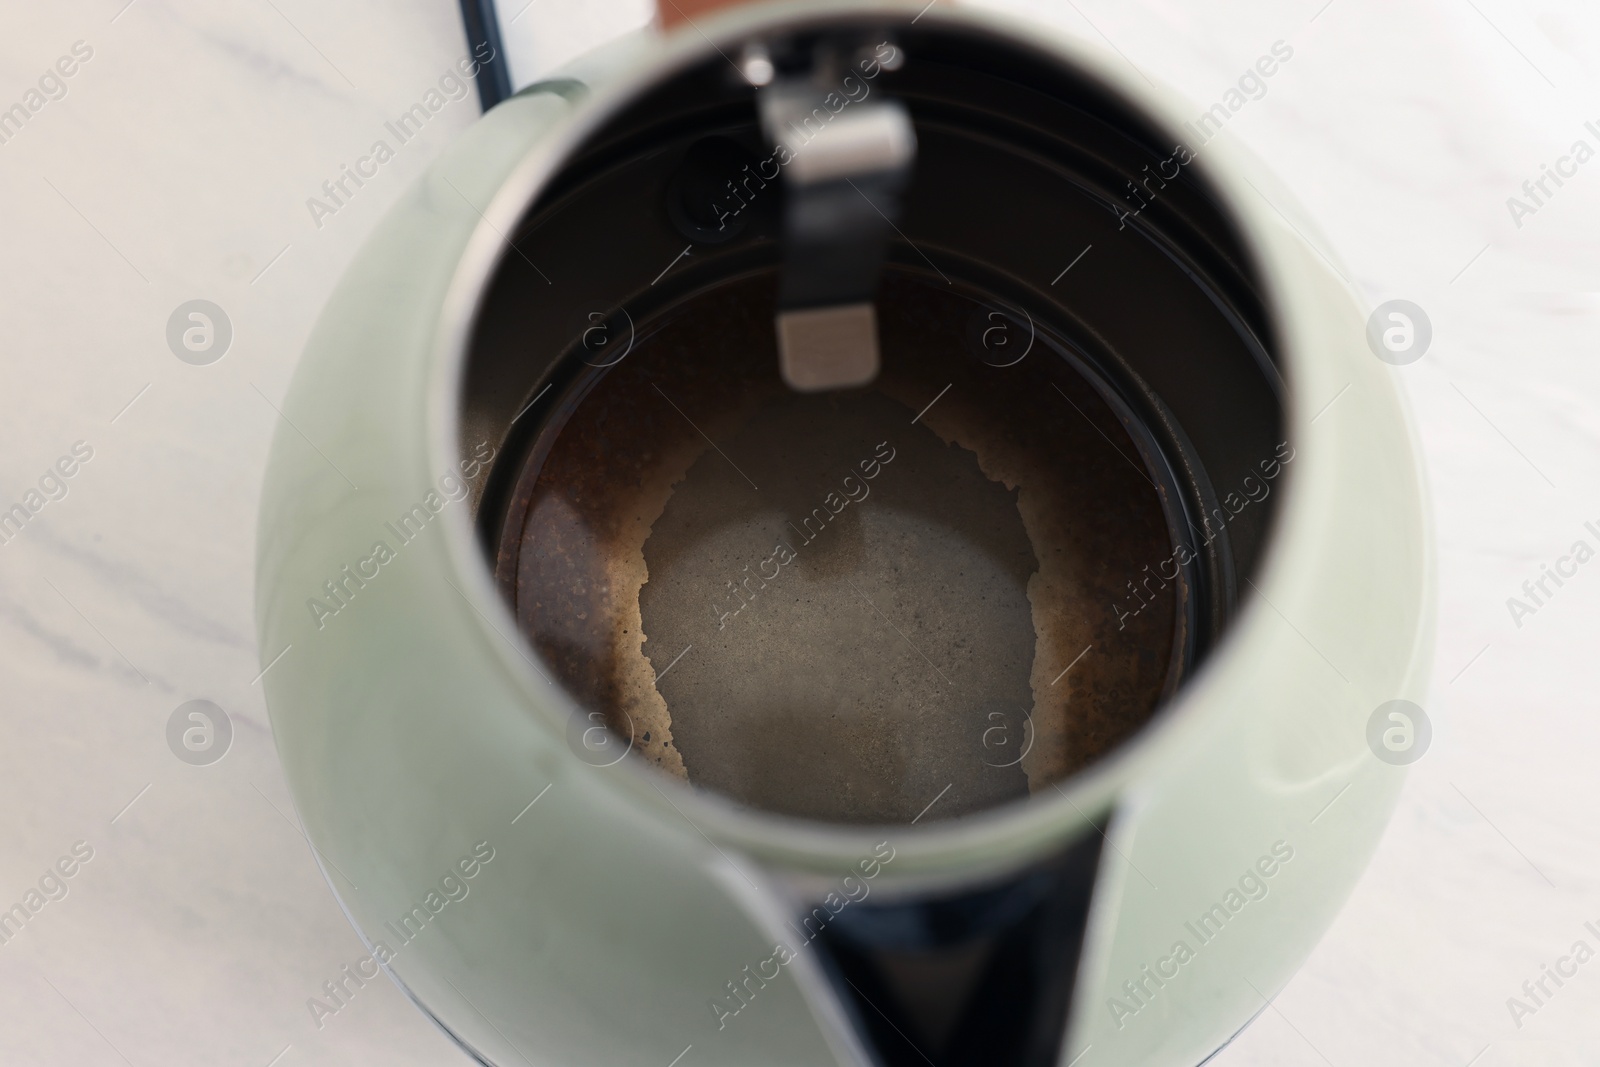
x=964 y=581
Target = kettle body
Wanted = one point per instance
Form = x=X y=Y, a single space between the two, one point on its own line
x=545 y=904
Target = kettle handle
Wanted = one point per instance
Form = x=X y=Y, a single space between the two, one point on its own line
x=671 y=13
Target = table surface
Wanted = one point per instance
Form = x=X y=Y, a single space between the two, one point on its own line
x=177 y=165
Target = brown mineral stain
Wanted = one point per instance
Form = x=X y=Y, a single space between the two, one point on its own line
x=605 y=473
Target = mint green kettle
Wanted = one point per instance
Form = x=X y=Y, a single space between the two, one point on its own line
x=846 y=533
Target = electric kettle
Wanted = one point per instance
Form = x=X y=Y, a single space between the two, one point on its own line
x=841 y=533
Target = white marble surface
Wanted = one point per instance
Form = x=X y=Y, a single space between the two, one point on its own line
x=177 y=166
